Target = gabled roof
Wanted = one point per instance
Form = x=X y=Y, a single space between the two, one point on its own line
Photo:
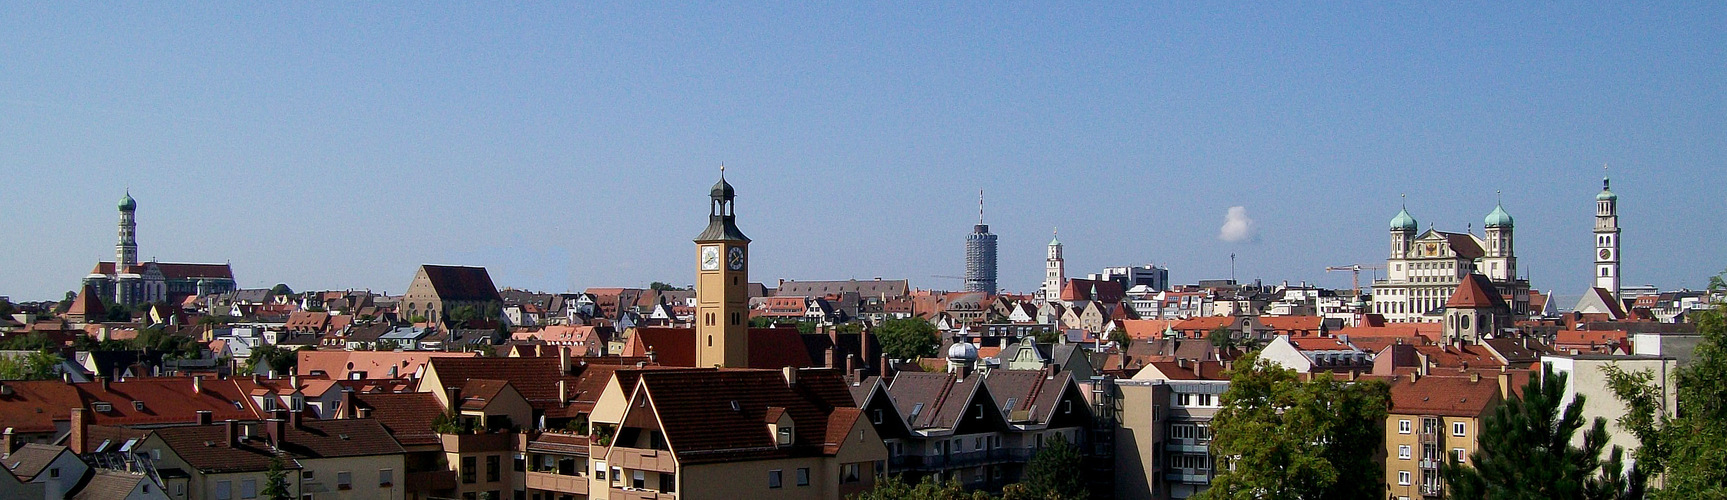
x=1475 y=292
x=165 y=400
x=1443 y=395
x=107 y=484
x=1034 y=393
x=933 y=400
x=1080 y=289
x=407 y=415
x=204 y=446
x=376 y=364
x=694 y=409
x=30 y=459
x=676 y=346
x=1292 y=323
x=536 y=378
x=86 y=304
x=34 y=405
x=461 y=283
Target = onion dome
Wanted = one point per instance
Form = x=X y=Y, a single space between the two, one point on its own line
x=1606 y=194
x=127 y=204
x=722 y=190
x=1499 y=218
x=962 y=350
x=1403 y=221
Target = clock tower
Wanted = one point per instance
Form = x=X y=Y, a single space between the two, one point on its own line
x=722 y=285
x=1607 y=240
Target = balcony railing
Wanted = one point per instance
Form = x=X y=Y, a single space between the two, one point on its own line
x=961 y=459
x=551 y=481
x=635 y=494
x=643 y=459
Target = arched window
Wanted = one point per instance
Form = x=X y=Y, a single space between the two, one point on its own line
x=1604 y=271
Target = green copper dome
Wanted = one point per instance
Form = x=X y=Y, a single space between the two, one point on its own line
x=1403 y=222
x=126 y=203
x=1606 y=194
x=1499 y=218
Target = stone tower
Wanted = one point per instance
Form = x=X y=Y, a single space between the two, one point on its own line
x=1055 y=272
x=1607 y=240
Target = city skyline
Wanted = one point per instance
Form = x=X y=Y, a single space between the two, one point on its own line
x=565 y=148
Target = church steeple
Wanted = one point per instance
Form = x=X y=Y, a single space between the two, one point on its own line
x=126 y=250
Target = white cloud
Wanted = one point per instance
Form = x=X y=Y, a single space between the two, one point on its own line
x=1237 y=227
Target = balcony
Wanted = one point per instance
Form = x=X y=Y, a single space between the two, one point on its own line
x=474 y=443
x=962 y=459
x=1188 y=445
x=642 y=459
x=550 y=481
x=635 y=494
x=1189 y=476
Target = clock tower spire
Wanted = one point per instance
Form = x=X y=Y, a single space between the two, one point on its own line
x=1607 y=239
x=722 y=285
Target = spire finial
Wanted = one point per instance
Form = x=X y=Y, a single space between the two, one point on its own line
x=722 y=170
x=1405 y=197
x=1604 y=177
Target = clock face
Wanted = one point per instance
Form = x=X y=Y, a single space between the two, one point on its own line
x=1606 y=254
x=710 y=258
x=735 y=258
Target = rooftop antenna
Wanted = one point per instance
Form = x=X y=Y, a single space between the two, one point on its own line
x=980 y=207
x=1232 y=267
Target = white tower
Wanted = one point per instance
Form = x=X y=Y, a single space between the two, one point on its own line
x=1607 y=240
x=1055 y=272
x=1501 y=262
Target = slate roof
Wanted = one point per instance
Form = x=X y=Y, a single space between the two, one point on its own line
x=203 y=446
x=461 y=283
x=407 y=415
x=695 y=411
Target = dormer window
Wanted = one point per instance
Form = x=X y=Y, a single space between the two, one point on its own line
x=785 y=436
x=102 y=407
x=138 y=405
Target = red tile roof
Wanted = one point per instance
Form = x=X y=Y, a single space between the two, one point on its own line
x=34 y=405
x=165 y=400
x=535 y=378
x=1475 y=292
x=695 y=411
x=204 y=446
x=1443 y=395
x=769 y=347
x=406 y=415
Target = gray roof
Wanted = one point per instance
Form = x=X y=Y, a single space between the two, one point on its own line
x=864 y=288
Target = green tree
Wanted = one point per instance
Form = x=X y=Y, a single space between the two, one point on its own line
x=1687 y=444
x=281 y=359
x=664 y=287
x=894 y=488
x=281 y=289
x=37 y=365
x=276 y=480
x=386 y=345
x=6 y=307
x=1294 y=439
x=1046 y=336
x=908 y=338
x=1222 y=337
x=1056 y=471
x=1524 y=451
x=1121 y=338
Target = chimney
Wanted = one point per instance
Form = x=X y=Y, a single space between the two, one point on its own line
x=563 y=392
x=1504 y=384
x=1196 y=366
x=363 y=412
x=347 y=409
x=80 y=431
x=863 y=342
x=791 y=375
x=453 y=398
x=6 y=442
x=204 y=417
x=833 y=335
x=104 y=380
x=231 y=432
x=851 y=363
x=294 y=381
x=653 y=357
x=294 y=417
x=563 y=361
x=198 y=384
x=273 y=428
x=832 y=358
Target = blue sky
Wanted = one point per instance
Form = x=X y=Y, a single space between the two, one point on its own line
x=571 y=145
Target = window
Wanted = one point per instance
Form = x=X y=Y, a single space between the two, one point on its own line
x=1457 y=429
x=306 y=475
x=521 y=463
x=492 y=468
x=1403 y=478
x=1402 y=426
x=617 y=474
x=979 y=410
x=54 y=472
x=668 y=482
x=600 y=471
x=1457 y=454
x=638 y=479
x=470 y=469
x=249 y=488
x=1403 y=452
x=386 y=477
x=785 y=436
x=803 y=476
x=878 y=416
x=344 y=480
x=774 y=478
x=224 y=490
x=849 y=473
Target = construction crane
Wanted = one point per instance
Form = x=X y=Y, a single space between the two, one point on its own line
x=1355 y=270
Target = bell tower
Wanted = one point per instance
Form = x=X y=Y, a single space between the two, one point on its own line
x=126 y=250
x=1607 y=240
x=722 y=285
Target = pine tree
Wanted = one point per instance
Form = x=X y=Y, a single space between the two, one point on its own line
x=1525 y=452
x=276 y=481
